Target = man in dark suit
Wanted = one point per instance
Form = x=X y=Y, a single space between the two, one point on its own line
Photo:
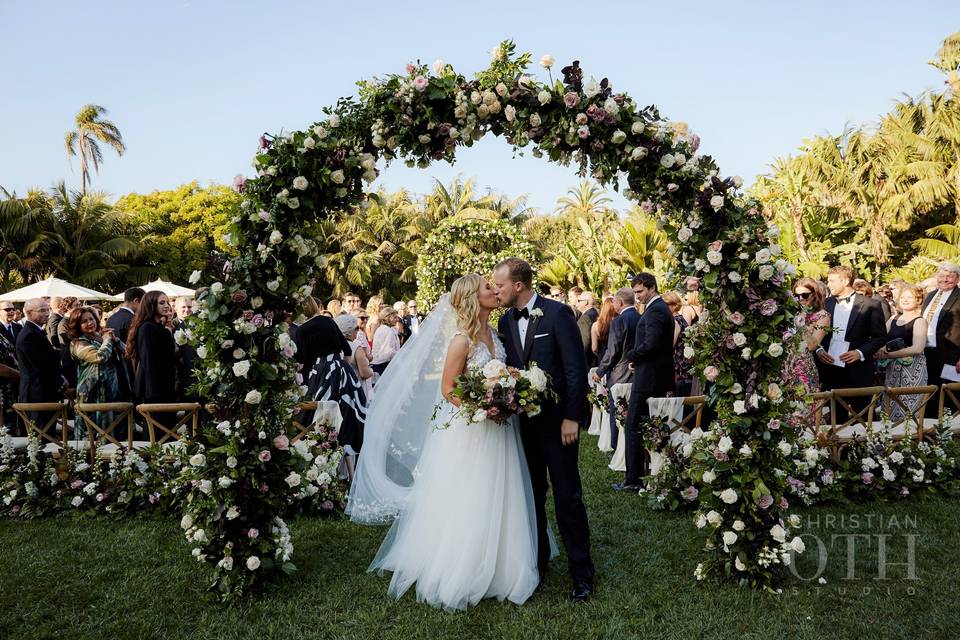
x=652 y=359
x=587 y=306
x=941 y=309
x=122 y=318
x=536 y=329
x=58 y=309
x=615 y=364
x=412 y=320
x=38 y=361
x=858 y=333
x=9 y=327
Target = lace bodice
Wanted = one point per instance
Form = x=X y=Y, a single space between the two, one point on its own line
x=480 y=353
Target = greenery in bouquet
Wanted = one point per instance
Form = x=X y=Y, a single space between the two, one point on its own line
x=497 y=392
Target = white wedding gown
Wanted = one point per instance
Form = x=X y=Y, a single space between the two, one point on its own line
x=468 y=530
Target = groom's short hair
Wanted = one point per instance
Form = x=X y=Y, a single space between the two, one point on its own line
x=519 y=270
x=646 y=279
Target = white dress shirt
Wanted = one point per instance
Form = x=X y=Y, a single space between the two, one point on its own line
x=932 y=325
x=841 y=317
x=523 y=323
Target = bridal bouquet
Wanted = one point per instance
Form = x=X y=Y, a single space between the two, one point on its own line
x=496 y=392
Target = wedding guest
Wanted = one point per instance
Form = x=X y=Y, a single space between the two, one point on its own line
x=600 y=330
x=374 y=304
x=941 y=310
x=682 y=366
x=692 y=307
x=68 y=304
x=317 y=338
x=404 y=331
x=122 y=318
x=351 y=302
x=9 y=380
x=186 y=353
x=9 y=327
x=18 y=316
x=858 y=331
x=615 y=364
x=573 y=295
x=334 y=308
x=183 y=308
x=587 y=308
x=37 y=361
x=413 y=319
x=885 y=292
x=153 y=353
x=863 y=287
x=908 y=366
x=58 y=308
x=362 y=318
x=386 y=341
x=802 y=365
x=556 y=293
x=98 y=356
x=360 y=351
x=651 y=355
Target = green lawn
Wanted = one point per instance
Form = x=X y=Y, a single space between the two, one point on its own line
x=95 y=578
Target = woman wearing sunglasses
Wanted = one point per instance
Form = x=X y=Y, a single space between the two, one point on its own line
x=803 y=365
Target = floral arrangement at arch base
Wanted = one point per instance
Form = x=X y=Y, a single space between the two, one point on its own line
x=424 y=114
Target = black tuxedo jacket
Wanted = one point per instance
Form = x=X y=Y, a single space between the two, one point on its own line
x=585 y=323
x=948 y=327
x=865 y=331
x=652 y=353
x=553 y=342
x=39 y=365
x=120 y=323
x=623 y=331
x=11 y=333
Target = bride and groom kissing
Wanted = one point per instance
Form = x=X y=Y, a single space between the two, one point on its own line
x=468 y=503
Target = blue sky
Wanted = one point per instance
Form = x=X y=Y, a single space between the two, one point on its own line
x=192 y=84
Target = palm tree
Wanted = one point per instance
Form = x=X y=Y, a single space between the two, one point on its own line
x=459 y=200
x=584 y=201
x=21 y=236
x=788 y=190
x=88 y=241
x=85 y=140
x=641 y=245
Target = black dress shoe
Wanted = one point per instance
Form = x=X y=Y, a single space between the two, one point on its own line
x=581 y=591
x=620 y=486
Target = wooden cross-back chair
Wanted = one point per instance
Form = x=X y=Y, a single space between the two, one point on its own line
x=820 y=405
x=913 y=422
x=185 y=414
x=56 y=415
x=303 y=419
x=102 y=440
x=849 y=423
x=950 y=401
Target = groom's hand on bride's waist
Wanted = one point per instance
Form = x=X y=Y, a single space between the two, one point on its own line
x=569 y=432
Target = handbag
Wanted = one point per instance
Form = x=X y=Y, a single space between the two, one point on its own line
x=896 y=344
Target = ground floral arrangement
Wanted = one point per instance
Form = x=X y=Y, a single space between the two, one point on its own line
x=458 y=246
x=424 y=114
x=878 y=467
x=168 y=479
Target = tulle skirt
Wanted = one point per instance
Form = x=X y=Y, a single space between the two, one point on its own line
x=468 y=530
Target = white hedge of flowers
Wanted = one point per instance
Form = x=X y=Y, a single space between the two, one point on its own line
x=457 y=247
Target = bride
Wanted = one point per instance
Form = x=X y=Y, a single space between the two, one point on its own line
x=464 y=524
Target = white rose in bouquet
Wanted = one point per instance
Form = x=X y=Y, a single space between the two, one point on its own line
x=253 y=397
x=253 y=563
x=778 y=533
x=709 y=476
x=725 y=444
x=729 y=537
x=494 y=369
x=537 y=378
x=241 y=368
x=300 y=183
x=714 y=518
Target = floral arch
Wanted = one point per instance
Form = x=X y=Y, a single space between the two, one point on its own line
x=425 y=115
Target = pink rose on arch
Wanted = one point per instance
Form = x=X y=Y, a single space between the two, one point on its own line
x=765 y=502
x=252 y=533
x=673 y=186
x=410 y=68
x=239 y=182
x=729 y=343
x=710 y=372
x=239 y=296
x=583 y=132
x=419 y=83
x=783 y=503
x=264 y=143
x=736 y=318
x=571 y=99
x=694 y=142
x=264 y=488
x=299 y=376
x=646 y=206
x=690 y=493
x=768 y=307
x=14 y=510
x=281 y=442
x=264 y=456
x=289 y=353
x=248 y=315
x=716 y=245
x=773 y=425
x=257 y=320
x=867 y=477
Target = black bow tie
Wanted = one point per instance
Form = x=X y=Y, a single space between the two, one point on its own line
x=521 y=313
x=846 y=298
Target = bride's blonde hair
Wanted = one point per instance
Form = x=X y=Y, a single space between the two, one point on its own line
x=465 y=299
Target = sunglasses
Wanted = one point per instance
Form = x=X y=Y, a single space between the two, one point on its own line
x=803 y=295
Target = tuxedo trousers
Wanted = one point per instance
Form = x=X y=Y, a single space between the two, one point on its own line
x=547 y=456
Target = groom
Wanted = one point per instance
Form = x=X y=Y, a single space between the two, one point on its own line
x=536 y=329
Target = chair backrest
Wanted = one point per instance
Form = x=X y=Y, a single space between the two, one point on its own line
x=949 y=399
x=121 y=412
x=895 y=397
x=165 y=430
x=51 y=414
x=692 y=419
x=816 y=402
x=303 y=419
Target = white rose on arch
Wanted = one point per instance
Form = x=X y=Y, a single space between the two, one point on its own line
x=729 y=496
x=300 y=183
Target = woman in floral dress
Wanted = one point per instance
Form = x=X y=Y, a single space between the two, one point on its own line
x=802 y=365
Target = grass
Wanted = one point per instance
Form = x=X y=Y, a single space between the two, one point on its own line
x=77 y=577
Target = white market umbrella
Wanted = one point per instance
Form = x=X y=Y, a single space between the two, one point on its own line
x=172 y=290
x=53 y=287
